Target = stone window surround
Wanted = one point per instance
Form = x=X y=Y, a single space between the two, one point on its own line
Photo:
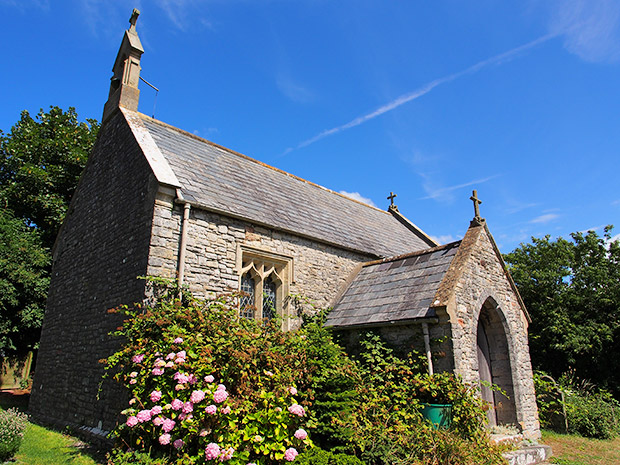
x=261 y=263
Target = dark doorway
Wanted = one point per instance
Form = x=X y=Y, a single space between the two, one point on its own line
x=494 y=367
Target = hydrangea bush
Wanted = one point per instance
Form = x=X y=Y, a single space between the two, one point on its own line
x=12 y=427
x=209 y=387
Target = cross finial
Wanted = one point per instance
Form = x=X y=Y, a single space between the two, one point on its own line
x=134 y=18
x=477 y=203
x=391 y=198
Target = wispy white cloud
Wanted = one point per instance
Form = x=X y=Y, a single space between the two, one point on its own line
x=591 y=28
x=444 y=193
x=445 y=239
x=425 y=89
x=616 y=202
x=293 y=90
x=359 y=197
x=517 y=207
x=545 y=218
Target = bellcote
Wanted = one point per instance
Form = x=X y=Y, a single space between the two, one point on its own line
x=124 y=90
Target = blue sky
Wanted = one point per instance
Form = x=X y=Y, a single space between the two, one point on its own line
x=517 y=99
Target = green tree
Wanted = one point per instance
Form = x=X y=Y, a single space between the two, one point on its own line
x=572 y=291
x=41 y=160
x=24 y=278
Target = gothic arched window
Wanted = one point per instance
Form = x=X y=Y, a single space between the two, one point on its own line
x=246 y=304
x=264 y=278
x=269 y=298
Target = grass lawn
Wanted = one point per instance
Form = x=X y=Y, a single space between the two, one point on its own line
x=46 y=447
x=574 y=450
x=42 y=446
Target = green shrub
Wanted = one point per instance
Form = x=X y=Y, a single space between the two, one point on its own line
x=180 y=357
x=119 y=457
x=12 y=427
x=317 y=456
x=590 y=412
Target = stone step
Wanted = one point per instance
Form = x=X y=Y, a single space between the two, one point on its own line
x=528 y=455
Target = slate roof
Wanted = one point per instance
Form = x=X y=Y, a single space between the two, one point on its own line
x=222 y=180
x=394 y=290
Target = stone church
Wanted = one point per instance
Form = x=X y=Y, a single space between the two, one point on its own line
x=156 y=200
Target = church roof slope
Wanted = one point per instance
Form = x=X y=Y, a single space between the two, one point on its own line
x=221 y=180
x=394 y=290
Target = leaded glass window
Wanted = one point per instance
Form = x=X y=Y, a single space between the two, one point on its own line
x=246 y=305
x=269 y=298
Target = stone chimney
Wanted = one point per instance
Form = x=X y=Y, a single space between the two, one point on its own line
x=124 y=83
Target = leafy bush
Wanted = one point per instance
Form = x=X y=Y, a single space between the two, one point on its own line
x=207 y=387
x=317 y=456
x=388 y=425
x=12 y=427
x=590 y=412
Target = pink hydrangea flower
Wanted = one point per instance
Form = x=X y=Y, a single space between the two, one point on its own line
x=155 y=396
x=188 y=407
x=179 y=361
x=209 y=379
x=168 y=425
x=192 y=379
x=177 y=404
x=227 y=454
x=160 y=362
x=268 y=373
x=132 y=381
x=211 y=409
x=171 y=356
x=178 y=340
x=297 y=409
x=290 y=454
x=225 y=410
x=143 y=415
x=220 y=396
x=220 y=387
x=197 y=396
x=181 y=378
x=212 y=451
x=158 y=371
x=133 y=374
x=137 y=358
x=132 y=421
x=292 y=390
x=179 y=442
x=164 y=439
x=156 y=410
x=170 y=364
x=181 y=354
x=301 y=434
x=179 y=387
x=157 y=421
x=203 y=432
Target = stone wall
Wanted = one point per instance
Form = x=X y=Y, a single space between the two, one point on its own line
x=213 y=240
x=482 y=282
x=101 y=248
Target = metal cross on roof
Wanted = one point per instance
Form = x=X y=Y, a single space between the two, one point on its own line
x=477 y=203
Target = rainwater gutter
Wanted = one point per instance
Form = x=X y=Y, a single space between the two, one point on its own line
x=183 y=244
x=427 y=346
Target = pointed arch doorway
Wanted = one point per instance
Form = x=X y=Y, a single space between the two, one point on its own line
x=494 y=366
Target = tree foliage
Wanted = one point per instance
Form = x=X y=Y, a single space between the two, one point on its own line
x=572 y=291
x=41 y=160
x=23 y=283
